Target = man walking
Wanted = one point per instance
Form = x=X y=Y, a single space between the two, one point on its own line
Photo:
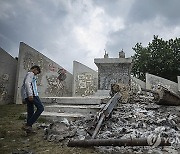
x=30 y=97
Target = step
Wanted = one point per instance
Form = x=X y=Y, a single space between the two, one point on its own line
x=73 y=100
x=102 y=93
x=59 y=116
x=83 y=109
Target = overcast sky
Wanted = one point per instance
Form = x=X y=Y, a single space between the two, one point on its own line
x=67 y=30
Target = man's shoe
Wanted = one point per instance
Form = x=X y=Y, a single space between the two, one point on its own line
x=26 y=128
x=31 y=132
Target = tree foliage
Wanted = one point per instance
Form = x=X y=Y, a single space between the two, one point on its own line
x=161 y=58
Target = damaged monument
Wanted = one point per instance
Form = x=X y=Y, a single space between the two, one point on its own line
x=133 y=117
x=139 y=125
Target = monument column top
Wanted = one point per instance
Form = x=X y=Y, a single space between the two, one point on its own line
x=112 y=60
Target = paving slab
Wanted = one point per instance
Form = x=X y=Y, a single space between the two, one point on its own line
x=83 y=109
x=73 y=100
x=59 y=116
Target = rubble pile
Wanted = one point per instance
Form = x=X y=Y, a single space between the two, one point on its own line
x=140 y=118
x=58 y=131
x=141 y=121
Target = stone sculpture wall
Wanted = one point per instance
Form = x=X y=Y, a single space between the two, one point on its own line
x=113 y=74
x=52 y=82
x=8 y=66
x=85 y=80
x=153 y=81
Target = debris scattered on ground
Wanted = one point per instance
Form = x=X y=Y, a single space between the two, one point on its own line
x=140 y=117
x=58 y=131
x=22 y=151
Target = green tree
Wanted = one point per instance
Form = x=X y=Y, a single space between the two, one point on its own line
x=161 y=58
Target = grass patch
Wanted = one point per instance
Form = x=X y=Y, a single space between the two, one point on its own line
x=14 y=140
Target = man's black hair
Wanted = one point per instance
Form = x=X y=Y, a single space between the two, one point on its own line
x=37 y=67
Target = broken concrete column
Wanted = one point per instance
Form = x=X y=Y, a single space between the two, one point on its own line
x=114 y=142
x=167 y=97
x=164 y=97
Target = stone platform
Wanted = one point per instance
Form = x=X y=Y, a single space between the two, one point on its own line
x=74 y=100
x=83 y=109
x=71 y=108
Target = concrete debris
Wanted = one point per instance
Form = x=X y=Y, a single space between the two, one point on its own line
x=114 y=142
x=163 y=96
x=123 y=89
x=58 y=131
x=140 y=118
x=105 y=112
x=22 y=151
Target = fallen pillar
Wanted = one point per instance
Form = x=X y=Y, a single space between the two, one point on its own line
x=115 y=142
x=164 y=97
x=102 y=114
x=167 y=97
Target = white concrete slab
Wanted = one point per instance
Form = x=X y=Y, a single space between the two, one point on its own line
x=153 y=81
x=73 y=100
x=83 y=109
x=59 y=116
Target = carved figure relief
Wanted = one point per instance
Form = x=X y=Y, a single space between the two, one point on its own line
x=62 y=74
x=85 y=84
x=113 y=74
x=35 y=59
x=56 y=84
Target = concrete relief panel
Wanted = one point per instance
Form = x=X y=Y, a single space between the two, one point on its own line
x=85 y=84
x=152 y=82
x=57 y=85
x=8 y=66
x=111 y=74
x=85 y=80
x=54 y=81
x=30 y=59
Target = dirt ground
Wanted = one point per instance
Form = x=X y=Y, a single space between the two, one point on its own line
x=14 y=140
